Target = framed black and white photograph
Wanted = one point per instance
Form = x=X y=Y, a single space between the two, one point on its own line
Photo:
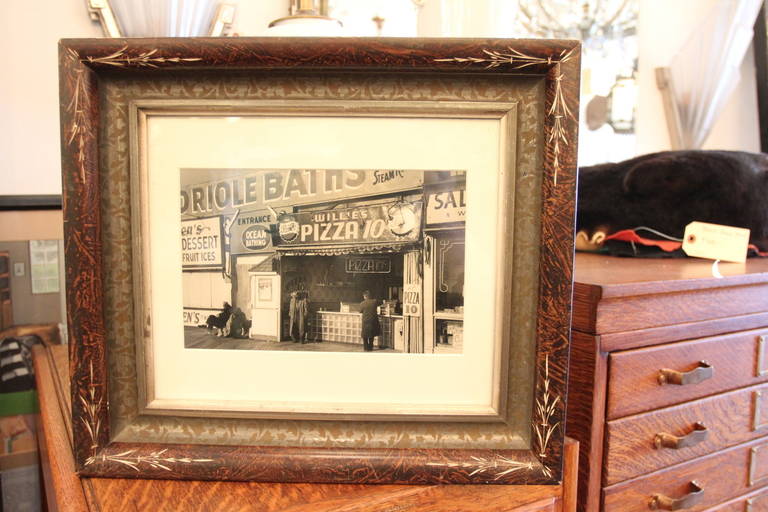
x=319 y=260
x=362 y=259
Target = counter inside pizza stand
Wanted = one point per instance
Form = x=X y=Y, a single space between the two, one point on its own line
x=345 y=327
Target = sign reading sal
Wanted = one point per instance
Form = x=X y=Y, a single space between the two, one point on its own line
x=261 y=188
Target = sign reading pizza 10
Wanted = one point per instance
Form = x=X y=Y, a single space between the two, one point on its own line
x=389 y=222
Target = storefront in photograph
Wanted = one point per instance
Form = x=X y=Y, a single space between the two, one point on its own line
x=299 y=249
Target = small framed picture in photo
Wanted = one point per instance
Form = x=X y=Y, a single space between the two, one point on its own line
x=320 y=260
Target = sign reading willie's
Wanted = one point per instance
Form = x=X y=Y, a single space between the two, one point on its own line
x=201 y=243
x=389 y=222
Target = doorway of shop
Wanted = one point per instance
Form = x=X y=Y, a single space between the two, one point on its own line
x=265 y=306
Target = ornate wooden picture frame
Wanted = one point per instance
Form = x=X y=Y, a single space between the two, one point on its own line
x=524 y=91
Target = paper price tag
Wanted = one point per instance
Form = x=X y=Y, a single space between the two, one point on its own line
x=716 y=242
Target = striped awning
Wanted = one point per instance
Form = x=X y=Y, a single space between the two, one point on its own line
x=340 y=250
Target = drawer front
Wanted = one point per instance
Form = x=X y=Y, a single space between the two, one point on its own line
x=719 y=477
x=755 y=502
x=643 y=379
x=650 y=441
x=758 y=503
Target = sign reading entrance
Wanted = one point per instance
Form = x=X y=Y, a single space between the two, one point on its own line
x=369 y=265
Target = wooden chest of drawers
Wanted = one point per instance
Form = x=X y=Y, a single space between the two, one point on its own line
x=668 y=392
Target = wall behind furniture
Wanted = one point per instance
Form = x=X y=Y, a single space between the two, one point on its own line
x=29 y=32
x=29 y=308
x=16 y=229
x=29 y=108
x=664 y=27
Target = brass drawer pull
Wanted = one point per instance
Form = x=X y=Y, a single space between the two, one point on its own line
x=661 y=502
x=701 y=373
x=697 y=435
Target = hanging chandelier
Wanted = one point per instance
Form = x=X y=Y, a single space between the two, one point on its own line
x=591 y=20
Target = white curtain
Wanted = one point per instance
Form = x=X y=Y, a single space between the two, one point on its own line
x=164 y=18
x=706 y=69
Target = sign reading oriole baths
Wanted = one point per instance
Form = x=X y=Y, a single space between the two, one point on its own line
x=388 y=222
x=201 y=243
x=238 y=188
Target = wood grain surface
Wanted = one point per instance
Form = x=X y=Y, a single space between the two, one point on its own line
x=621 y=296
x=85 y=65
x=625 y=340
x=630 y=449
x=723 y=475
x=69 y=492
x=54 y=438
x=662 y=313
x=621 y=277
x=586 y=412
x=634 y=385
x=646 y=311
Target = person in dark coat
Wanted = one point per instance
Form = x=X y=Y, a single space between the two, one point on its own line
x=371 y=327
x=219 y=322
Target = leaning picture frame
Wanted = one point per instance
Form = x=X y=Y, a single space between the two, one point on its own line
x=388 y=224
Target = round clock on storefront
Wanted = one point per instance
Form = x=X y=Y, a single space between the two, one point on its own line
x=402 y=218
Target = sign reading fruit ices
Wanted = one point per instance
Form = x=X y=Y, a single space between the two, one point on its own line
x=387 y=222
x=201 y=243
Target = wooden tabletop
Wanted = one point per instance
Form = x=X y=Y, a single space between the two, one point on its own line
x=631 y=276
x=631 y=302
x=66 y=491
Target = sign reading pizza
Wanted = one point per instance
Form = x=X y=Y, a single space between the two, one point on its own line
x=412 y=300
x=388 y=222
x=368 y=265
x=202 y=244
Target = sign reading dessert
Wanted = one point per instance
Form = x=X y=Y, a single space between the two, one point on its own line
x=201 y=243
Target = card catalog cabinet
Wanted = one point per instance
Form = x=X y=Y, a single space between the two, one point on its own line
x=668 y=391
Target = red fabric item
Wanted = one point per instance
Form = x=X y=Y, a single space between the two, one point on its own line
x=753 y=247
x=629 y=235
